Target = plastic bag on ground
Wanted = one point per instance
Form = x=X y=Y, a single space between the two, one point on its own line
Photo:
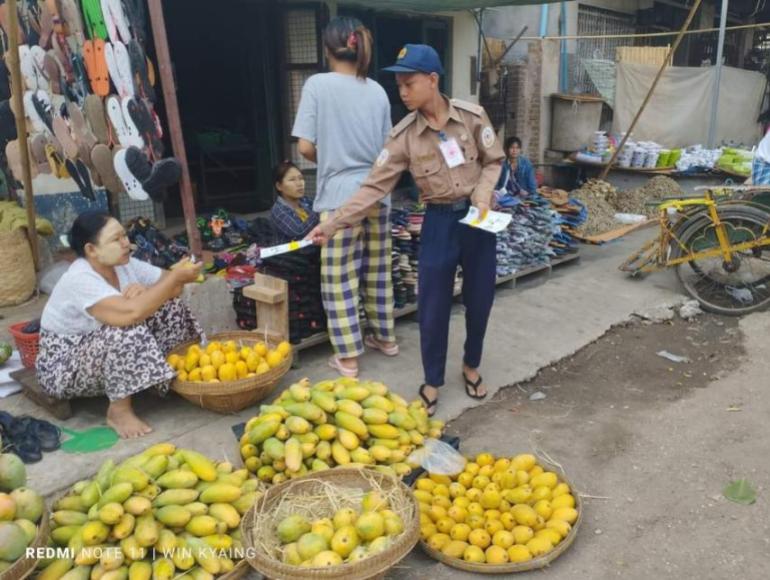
x=438 y=457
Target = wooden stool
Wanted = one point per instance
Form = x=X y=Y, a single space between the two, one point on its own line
x=59 y=408
x=272 y=297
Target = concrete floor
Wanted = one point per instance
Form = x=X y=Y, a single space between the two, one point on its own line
x=532 y=326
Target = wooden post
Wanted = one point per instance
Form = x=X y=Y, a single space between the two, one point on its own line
x=17 y=86
x=166 y=73
x=646 y=101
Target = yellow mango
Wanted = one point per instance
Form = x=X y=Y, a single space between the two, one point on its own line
x=173 y=516
x=225 y=512
x=201 y=465
x=220 y=493
x=140 y=571
x=177 y=479
x=146 y=531
x=351 y=423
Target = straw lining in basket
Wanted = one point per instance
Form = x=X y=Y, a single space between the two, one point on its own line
x=512 y=567
x=232 y=396
x=259 y=519
x=23 y=567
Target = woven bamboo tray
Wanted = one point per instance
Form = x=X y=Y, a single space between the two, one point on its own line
x=511 y=568
x=23 y=567
x=235 y=395
x=372 y=567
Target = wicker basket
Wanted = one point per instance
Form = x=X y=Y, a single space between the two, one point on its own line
x=512 y=567
x=372 y=567
x=233 y=396
x=17 y=269
x=25 y=566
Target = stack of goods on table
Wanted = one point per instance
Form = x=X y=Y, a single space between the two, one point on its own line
x=738 y=161
x=525 y=243
x=343 y=422
x=89 y=99
x=302 y=270
x=21 y=517
x=497 y=511
x=406 y=228
x=158 y=514
x=571 y=215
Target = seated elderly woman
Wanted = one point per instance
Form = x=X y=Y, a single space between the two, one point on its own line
x=110 y=322
x=292 y=214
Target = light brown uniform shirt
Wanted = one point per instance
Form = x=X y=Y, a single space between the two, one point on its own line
x=414 y=145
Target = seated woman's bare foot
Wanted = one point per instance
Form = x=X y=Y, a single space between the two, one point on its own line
x=121 y=417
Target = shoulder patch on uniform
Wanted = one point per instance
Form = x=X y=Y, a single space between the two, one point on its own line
x=470 y=107
x=488 y=137
x=382 y=158
x=405 y=122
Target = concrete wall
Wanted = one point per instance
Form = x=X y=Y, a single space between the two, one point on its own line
x=465 y=36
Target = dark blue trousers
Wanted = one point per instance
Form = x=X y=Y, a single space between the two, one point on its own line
x=444 y=244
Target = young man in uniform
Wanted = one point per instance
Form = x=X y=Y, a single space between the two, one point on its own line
x=451 y=149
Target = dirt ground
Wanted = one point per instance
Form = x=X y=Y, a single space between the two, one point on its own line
x=631 y=431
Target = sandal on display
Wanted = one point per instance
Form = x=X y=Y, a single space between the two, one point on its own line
x=103 y=160
x=130 y=182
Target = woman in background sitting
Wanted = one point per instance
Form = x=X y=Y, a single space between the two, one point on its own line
x=292 y=214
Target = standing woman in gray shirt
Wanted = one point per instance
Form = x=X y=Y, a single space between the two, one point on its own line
x=342 y=123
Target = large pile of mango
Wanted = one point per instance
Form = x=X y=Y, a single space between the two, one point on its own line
x=20 y=511
x=220 y=362
x=496 y=511
x=335 y=422
x=349 y=536
x=173 y=513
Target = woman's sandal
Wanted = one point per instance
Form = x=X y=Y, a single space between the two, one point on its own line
x=430 y=405
x=475 y=386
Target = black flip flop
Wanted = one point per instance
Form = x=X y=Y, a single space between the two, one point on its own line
x=475 y=386
x=43 y=110
x=138 y=164
x=164 y=174
x=139 y=68
x=429 y=405
x=84 y=185
x=142 y=118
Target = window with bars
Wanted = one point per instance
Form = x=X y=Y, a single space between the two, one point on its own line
x=598 y=22
x=302 y=54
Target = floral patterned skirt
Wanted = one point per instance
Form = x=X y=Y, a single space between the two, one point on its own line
x=115 y=361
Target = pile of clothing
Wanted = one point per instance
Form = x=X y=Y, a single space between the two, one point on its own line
x=302 y=270
x=571 y=214
x=406 y=226
x=526 y=241
x=152 y=245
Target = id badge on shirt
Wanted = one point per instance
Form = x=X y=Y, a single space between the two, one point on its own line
x=452 y=153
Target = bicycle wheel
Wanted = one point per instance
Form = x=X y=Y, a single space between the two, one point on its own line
x=740 y=287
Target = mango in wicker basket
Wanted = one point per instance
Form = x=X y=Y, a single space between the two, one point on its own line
x=217 y=362
x=503 y=509
x=348 y=536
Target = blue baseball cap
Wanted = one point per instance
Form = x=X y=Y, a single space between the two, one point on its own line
x=417 y=58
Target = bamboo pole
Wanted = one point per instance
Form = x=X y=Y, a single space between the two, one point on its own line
x=166 y=74
x=646 y=34
x=17 y=86
x=646 y=101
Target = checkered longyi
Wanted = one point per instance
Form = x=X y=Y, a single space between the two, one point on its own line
x=356 y=262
